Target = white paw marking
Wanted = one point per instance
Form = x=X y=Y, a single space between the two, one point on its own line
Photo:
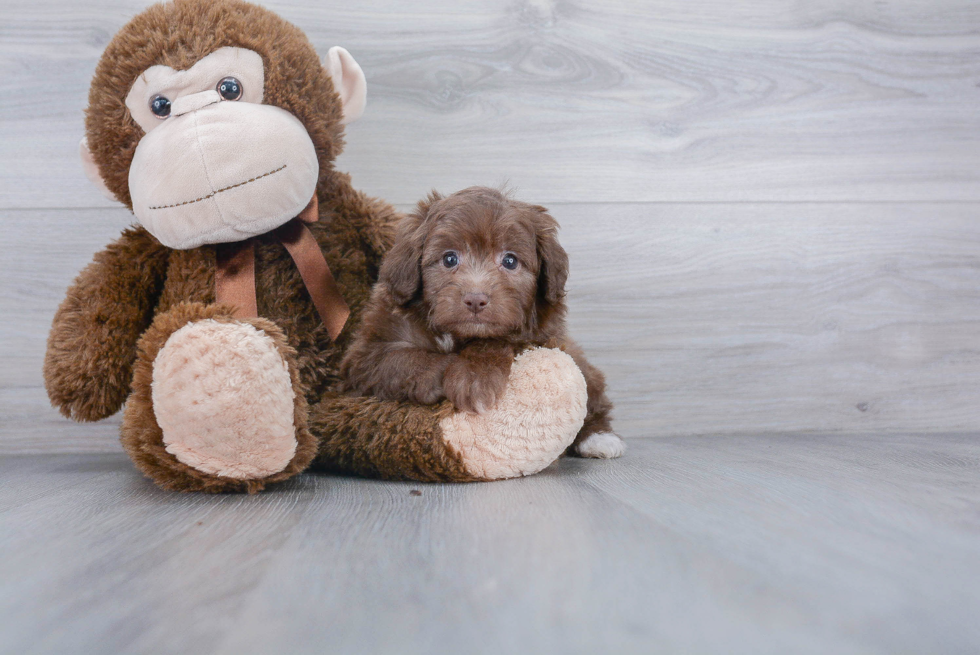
x=445 y=342
x=602 y=445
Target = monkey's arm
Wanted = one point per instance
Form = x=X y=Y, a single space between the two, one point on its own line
x=92 y=346
x=373 y=221
x=528 y=428
x=380 y=233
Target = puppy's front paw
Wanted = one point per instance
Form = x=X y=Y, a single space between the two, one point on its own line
x=473 y=388
x=602 y=445
x=425 y=387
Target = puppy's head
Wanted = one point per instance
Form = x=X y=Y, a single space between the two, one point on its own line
x=479 y=264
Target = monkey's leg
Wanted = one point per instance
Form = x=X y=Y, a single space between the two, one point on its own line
x=534 y=421
x=216 y=403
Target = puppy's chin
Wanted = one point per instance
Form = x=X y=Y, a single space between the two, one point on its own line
x=472 y=329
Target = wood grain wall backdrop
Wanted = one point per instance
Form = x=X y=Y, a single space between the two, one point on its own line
x=595 y=100
x=771 y=207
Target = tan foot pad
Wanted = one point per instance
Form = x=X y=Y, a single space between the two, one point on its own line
x=223 y=398
x=537 y=418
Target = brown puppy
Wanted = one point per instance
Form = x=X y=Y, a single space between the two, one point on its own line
x=471 y=281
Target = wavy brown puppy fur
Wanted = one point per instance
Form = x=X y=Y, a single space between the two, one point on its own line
x=472 y=280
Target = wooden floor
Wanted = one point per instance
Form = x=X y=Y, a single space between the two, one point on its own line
x=751 y=544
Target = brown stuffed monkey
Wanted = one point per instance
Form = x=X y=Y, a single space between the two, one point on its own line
x=221 y=319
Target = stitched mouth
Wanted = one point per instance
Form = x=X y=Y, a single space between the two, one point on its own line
x=214 y=193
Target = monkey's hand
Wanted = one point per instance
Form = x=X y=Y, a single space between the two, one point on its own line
x=92 y=346
x=476 y=378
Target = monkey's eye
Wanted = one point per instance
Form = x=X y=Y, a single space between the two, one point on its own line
x=509 y=261
x=230 y=88
x=450 y=259
x=160 y=106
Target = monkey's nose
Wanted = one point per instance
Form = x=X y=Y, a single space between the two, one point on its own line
x=476 y=301
x=193 y=102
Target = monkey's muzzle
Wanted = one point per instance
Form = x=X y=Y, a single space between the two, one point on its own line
x=218 y=172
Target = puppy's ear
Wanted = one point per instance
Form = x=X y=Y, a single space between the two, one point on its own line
x=554 y=259
x=401 y=269
x=425 y=206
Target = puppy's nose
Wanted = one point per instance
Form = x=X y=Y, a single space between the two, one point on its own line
x=476 y=301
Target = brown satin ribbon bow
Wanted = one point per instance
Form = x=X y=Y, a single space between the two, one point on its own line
x=235 y=276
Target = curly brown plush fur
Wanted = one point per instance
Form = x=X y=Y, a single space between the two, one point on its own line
x=93 y=345
x=98 y=325
x=471 y=280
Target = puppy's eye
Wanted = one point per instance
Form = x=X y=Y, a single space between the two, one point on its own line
x=450 y=259
x=160 y=106
x=509 y=261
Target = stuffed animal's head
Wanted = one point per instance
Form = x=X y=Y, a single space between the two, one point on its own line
x=479 y=263
x=216 y=120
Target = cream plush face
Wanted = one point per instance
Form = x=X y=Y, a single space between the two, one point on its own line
x=215 y=164
x=216 y=168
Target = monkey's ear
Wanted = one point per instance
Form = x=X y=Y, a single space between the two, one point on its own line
x=401 y=268
x=92 y=170
x=348 y=80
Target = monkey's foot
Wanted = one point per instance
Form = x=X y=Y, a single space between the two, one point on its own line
x=223 y=397
x=537 y=418
x=225 y=412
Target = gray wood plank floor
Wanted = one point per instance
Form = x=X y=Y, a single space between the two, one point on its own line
x=751 y=544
